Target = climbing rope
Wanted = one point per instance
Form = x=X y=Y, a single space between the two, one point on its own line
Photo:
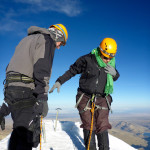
x=41 y=133
x=92 y=120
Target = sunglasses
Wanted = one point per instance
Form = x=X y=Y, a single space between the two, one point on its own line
x=107 y=58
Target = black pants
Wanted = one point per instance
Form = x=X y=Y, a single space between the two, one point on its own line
x=26 y=125
x=19 y=139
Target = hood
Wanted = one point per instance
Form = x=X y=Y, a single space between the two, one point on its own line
x=55 y=34
x=35 y=29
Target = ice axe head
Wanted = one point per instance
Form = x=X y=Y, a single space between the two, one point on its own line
x=58 y=109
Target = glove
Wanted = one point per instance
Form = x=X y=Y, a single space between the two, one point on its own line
x=3 y=112
x=111 y=70
x=45 y=109
x=40 y=108
x=56 y=85
x=2 y=122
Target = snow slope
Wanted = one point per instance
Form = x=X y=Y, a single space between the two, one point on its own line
x=68 y=136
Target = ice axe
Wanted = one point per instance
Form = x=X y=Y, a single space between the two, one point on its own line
x=57 y=117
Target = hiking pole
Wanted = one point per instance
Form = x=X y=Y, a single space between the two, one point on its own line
x=57 y=117
x=91 y=129
x=41 y=133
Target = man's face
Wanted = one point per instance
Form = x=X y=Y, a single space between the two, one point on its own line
x=58 y=44
x=105 y=59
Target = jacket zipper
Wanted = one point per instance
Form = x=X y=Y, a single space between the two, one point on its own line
x=97 y=78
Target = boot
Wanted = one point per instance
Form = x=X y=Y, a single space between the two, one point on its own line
x=103 y=140
x=86 y=139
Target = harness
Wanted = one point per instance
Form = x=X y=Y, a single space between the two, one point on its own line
x=18 y=77
x=96 y=106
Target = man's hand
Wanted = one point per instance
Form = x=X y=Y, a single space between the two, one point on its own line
x=56 y=85
x=41 y=108
x=45 y=109
x=4 y=111
x=2 y=122
x=111 y=70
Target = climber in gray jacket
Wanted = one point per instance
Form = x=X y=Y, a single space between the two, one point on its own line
x=27 y=84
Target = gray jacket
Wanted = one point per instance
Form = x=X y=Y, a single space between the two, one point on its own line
x=33 y=57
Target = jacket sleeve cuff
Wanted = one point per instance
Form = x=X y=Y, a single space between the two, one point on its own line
x=117 y=76
x=58 y=80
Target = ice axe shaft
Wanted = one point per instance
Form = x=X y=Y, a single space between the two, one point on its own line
x=57 y=117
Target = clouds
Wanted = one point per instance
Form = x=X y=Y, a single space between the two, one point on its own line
x=12 y=11
x=9 y=22
x=69 y=7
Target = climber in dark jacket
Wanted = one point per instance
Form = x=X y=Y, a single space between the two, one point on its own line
x=98 y=72
x=27 y=84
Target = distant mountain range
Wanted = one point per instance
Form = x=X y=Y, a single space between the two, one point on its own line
x=131 y=130
x=129 y=127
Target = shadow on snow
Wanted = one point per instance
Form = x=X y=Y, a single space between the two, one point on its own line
x=73 y=131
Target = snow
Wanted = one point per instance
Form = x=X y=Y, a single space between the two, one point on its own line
x=68 y=136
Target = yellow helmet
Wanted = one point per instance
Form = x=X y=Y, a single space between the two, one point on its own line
x=108 y=47
x=63 y=29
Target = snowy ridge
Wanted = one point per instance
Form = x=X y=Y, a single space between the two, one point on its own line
x=68 y=136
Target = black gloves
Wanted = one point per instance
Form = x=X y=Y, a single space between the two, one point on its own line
x=45 y=109
x=4 y=111
x=41 y=108
x=2 y=122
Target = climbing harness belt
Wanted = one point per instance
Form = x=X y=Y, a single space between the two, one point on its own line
x=92 y=111
x=89 y=108
x=17 y=78
x=41 y=133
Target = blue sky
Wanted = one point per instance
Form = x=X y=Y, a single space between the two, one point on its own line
x=87 y=22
